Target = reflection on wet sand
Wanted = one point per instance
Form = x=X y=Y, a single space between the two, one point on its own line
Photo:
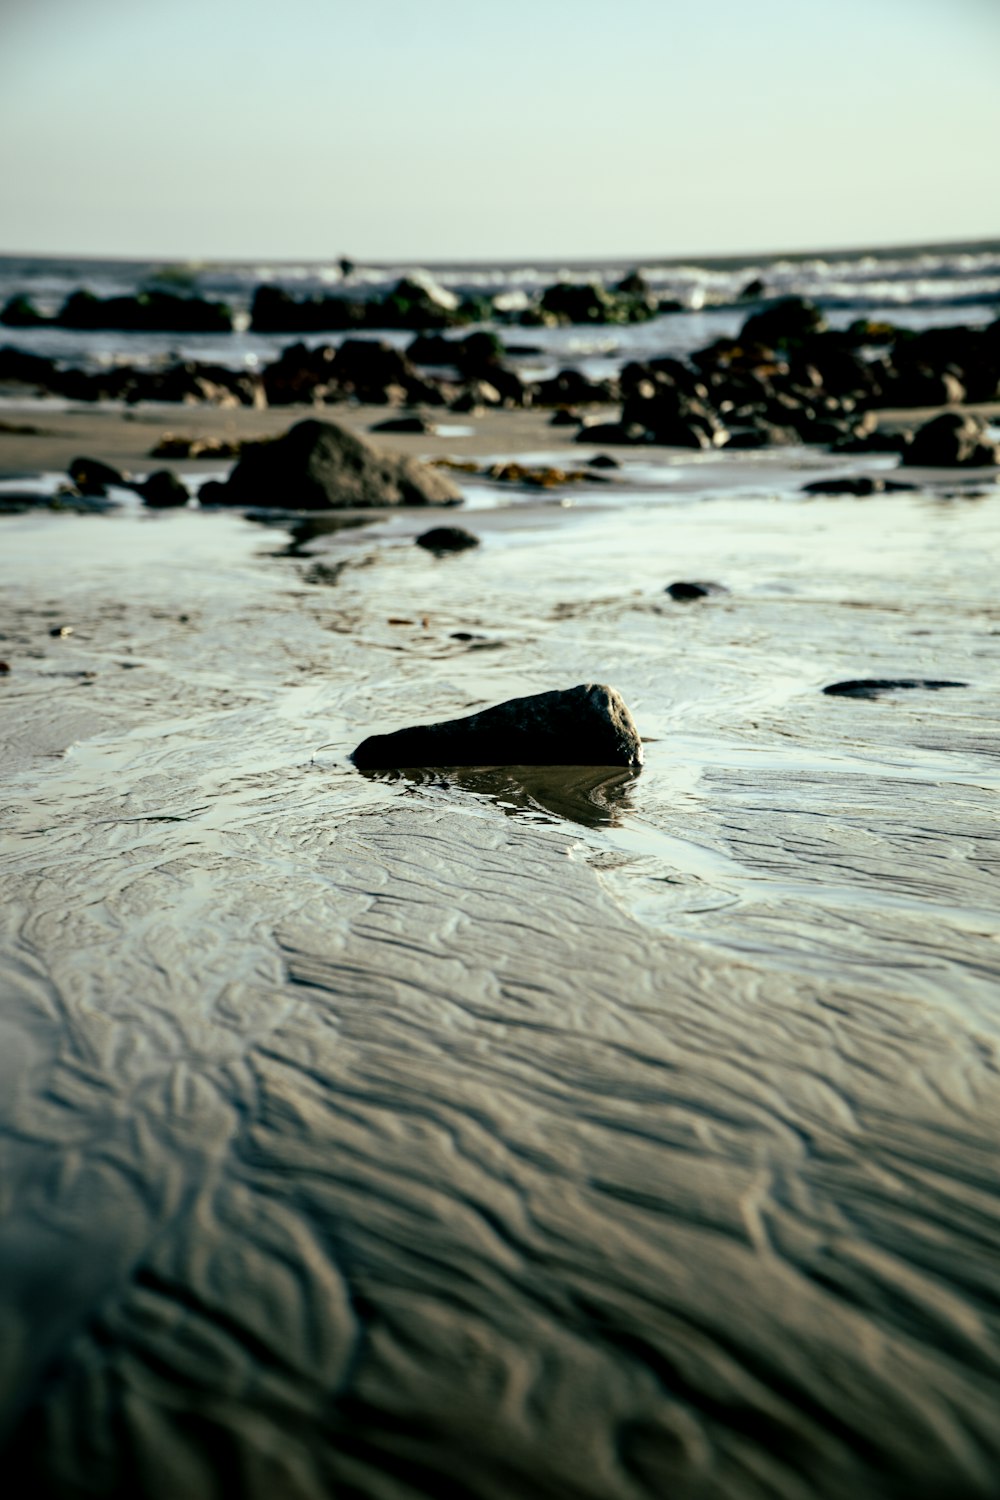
x=594 y=796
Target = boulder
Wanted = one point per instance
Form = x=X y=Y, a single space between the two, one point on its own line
x=952 y=440
x=588 y=725
x=443 y=539
x=320 y=466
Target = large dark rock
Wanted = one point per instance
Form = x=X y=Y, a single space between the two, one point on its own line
x=952 y=440
x=320 y=466
x=587 y=725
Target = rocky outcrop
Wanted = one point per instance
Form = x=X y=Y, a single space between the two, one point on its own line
x=321 y=466
x=587 y=725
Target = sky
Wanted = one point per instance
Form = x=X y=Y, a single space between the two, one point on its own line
x=450 y=130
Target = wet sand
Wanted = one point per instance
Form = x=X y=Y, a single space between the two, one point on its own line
x=497 y=1133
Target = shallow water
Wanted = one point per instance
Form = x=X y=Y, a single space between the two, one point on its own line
x=504 y=1132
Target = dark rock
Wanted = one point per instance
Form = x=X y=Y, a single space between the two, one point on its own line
x=753 y=291
x=92 y=477
x=443 y=539
x=565 y=416
x=603 y=461
x=163 y=490
x=860 y=485
x=412 y=423
x=320 y=466
x=952 y=440
x=690 y=589
x=789 y=321
x=587 y=725
x=872 y=687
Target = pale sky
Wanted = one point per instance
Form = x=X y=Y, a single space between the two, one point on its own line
x=532 y=128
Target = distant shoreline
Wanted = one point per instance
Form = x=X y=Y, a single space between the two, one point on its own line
x=721 y=262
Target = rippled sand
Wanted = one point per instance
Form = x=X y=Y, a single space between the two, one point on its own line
x=495 y=1134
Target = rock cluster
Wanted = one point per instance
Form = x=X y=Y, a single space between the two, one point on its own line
x=786 y=378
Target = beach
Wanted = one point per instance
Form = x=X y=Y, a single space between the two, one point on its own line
x=541 y=1131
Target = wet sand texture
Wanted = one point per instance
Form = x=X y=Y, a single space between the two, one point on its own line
x=397 y=1137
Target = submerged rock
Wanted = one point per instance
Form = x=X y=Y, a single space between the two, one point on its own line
x=320 y=466
x=588 y=725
